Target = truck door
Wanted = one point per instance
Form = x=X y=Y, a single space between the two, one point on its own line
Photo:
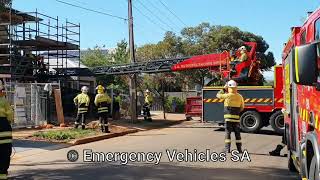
x=291 y=102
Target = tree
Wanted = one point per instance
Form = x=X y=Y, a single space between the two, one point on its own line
x=96 y=57
x=99 y=57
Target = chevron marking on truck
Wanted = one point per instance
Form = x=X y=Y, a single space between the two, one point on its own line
x=247 y=100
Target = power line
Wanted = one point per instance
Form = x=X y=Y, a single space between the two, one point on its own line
x=164 y=14
x=147 y=17
x=172 y=12
x=92 y=10
x=155 y=15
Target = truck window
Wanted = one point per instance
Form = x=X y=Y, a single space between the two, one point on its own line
x=317 y=30
x=303 y=38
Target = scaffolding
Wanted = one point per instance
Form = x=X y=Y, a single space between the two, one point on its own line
x=33 y=44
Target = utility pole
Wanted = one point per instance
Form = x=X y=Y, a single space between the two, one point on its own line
x=133 y=78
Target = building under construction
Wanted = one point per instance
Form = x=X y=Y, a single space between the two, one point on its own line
x=33 y=45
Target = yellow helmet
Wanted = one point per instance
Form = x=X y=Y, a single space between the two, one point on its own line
x=100 y=87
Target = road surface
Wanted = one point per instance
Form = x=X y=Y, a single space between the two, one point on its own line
x=53 y=164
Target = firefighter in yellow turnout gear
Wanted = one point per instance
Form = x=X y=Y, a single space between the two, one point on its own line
x=148 y=100
x=103 y=101
x=82 y=102
x=6 y=117
x=233 y=106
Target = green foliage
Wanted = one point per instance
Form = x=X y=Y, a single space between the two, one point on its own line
x=65 y=134
x=98 y=57
x=179 y=105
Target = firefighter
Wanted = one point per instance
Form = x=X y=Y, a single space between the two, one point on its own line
x=233 y=105
x=6 y=117
x=243 y=54
x=243 y=57
x=103 y=101
x=82 y=102
x=148 y=100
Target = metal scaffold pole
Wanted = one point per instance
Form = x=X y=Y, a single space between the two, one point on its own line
x=133 y=78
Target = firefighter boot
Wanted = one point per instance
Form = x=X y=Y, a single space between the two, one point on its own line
x=102 y=128
x=83 y=126
x=239 y=148
x=106 y=129
x=277 y=151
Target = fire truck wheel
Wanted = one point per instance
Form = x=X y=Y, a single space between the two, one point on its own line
x=313 y=172
x=277 y=122
x=250 y=121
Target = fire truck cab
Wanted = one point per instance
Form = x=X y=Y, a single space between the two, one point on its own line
x=301 y=61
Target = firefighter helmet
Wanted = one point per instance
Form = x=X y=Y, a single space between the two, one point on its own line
x=147 y=91
x=84 y=89
x=243 y=48
x=100 y=87
x=231 y=84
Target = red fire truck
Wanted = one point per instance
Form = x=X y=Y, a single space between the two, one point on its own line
x=301 y=62
x=263 y=105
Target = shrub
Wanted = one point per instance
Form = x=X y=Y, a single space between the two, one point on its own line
x=179 y=103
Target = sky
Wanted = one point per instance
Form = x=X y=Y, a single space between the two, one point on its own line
x=271 y=19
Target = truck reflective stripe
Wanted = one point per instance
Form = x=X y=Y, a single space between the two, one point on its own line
x=215 y=100
x=253 y=100
x=296 y=64
x=260 y=100
x=267 y=100
x=247 y=100
x=221 y=100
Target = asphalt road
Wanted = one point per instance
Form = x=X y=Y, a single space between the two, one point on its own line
x=49 y=164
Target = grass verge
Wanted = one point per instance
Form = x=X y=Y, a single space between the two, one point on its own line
x=63 y=135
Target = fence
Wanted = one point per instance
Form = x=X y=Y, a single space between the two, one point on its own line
x=32 y=103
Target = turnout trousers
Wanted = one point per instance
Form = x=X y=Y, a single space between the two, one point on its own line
x=146 y=112
x=103 y=118
x=229 y=128
x=5 y=146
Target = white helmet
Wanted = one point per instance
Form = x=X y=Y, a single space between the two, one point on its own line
x=147 y=91
x=242 y=48
x=84 y=89
x=232 y=84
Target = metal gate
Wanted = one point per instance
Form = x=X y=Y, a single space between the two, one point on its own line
x=32 y=103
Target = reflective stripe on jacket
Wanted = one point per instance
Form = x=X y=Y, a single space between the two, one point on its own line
x=5 y=131
x=102 y=101
x=233 y=105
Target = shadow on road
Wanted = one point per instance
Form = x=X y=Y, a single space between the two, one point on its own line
x=29 y=144
x=261 y=132
x=163 y=171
